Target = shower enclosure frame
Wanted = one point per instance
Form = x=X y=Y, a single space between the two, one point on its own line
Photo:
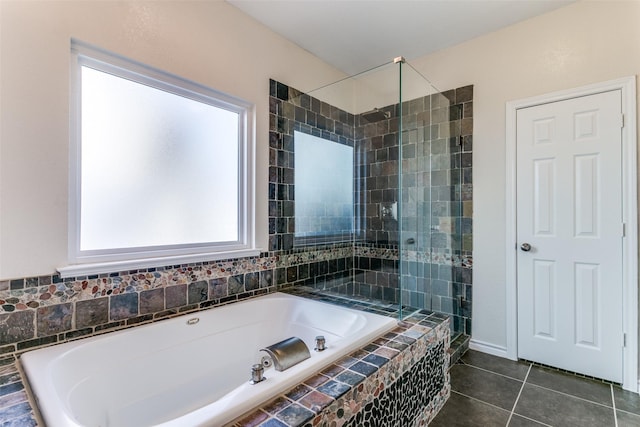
x=384 y=266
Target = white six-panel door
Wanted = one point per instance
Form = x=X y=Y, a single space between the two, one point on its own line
x=569 y=216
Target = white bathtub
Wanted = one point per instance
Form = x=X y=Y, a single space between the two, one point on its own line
x=182 y=373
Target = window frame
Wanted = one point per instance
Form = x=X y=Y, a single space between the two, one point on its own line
x=119 y=259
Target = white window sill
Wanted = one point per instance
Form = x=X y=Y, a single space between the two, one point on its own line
x=79 y=270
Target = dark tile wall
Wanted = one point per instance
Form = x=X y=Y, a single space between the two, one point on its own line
x=437 y=204
x=376 y=273
x=436 y=164
x=377 y=160
x=291 y=110
x=334 y=272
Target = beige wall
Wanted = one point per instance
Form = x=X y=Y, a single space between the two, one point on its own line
x=211 y=43
x=583 y=43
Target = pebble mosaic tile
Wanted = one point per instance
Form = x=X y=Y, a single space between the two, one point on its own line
x=79 y=289
x=239 y=273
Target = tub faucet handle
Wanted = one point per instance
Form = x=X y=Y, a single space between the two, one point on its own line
x=320 y=343
x=257 y=373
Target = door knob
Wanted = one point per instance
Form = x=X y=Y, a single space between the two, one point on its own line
x=525 y=247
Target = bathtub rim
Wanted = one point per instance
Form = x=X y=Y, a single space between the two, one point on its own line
x=53 y=406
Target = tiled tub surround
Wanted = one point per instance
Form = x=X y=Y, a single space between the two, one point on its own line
x=219 y=347
x=437 y=166
x=15 y=408
x=398 y=380
x=401 y=376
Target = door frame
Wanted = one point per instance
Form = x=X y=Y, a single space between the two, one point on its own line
x=627 y=86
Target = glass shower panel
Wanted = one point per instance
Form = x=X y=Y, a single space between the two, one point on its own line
x=431 y=208
x=361 y=113
x=400 y=246
x=417 y=96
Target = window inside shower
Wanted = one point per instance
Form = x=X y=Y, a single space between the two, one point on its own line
x=324 y=194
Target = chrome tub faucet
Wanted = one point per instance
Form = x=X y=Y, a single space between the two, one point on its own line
x=287 y=353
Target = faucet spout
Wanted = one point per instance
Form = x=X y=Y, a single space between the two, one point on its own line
x=287 y=353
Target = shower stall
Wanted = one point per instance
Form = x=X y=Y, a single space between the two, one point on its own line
x=371 y=183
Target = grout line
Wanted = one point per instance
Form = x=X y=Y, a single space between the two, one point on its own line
x=489 y=371
x=571 y=395
x=531 y=365
x=481 y=401
x=570 y=373
x=533 y=420
x=501 y=409
x=613 y=402
x=513 y=409
x=630 y=413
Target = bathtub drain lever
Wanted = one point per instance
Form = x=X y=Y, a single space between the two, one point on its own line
x=320 y=343
x=257 y=373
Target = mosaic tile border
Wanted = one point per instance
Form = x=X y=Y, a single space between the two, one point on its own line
x=431 y=345
x=432 y=257
x=337 y=394
x=46 y=310
x=309 y=256
x=35 y=292
x=43 y=291
x=32 y=293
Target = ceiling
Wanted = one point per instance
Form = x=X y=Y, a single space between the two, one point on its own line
x=355 y=35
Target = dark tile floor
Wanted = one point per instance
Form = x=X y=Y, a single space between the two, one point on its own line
x=492 y=391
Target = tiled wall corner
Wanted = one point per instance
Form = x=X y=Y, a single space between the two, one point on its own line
x=437 y=130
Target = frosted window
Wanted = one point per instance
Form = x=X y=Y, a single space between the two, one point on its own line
x=157 y=168
x=323 y=187
x=161 y=168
